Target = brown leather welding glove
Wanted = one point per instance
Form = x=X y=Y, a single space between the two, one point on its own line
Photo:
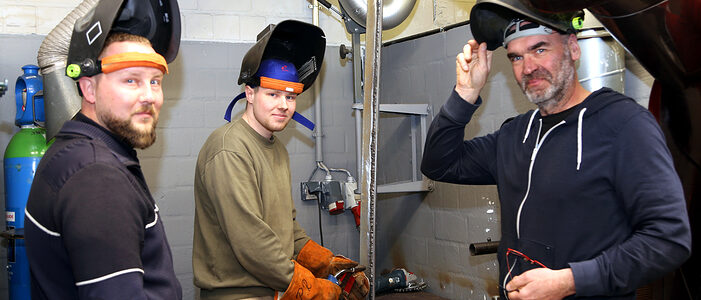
x=304 y=286
x=355 y=287
x=321 y=261
x=340 y=262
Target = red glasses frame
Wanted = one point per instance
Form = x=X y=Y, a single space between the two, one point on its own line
x=519 y=254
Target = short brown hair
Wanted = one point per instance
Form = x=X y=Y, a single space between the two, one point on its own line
x=115 y=37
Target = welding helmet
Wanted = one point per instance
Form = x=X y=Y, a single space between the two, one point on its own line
x=489 y=20
x=299 y=43
x=287 y=56
x=156 y=20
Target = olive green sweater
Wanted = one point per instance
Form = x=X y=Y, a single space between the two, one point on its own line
x=245 y=228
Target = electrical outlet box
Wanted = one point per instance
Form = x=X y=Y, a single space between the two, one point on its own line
x=332 y=197
x=328 y=193
x=332 y=191
x=310 y=190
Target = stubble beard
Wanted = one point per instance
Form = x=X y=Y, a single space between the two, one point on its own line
x=135 y=137
x=268 y=122
x=555 y=92
x=275 y=126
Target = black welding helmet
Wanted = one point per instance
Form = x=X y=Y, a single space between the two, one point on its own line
x=299 y=43
x=156 y=20
x=490 y=18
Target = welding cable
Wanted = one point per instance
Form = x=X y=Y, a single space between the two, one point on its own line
x=321 y=233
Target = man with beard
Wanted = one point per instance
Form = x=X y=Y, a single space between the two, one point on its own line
x=93 y=230
x=591 y=205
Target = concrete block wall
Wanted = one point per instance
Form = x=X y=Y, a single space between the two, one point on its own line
x=430 y=233
x=201 y=83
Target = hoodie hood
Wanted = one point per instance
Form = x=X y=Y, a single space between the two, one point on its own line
x=599 y=99
x=592 y=104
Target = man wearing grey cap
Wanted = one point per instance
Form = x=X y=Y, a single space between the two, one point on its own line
x=591 y=205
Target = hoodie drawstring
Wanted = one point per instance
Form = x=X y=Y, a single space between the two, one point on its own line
x=579 y=137
x=528 y=128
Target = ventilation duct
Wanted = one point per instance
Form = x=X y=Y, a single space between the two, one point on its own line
x=61 y=98
x=394 y=12
x=602 y=63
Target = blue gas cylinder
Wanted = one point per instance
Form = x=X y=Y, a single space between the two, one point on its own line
x=20 y=163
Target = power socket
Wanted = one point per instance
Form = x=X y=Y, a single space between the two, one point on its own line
x=310 y=190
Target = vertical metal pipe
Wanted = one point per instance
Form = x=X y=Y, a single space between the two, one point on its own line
x=371 y=110
x=359 y=141
x=318 y=134
x=358 y=98
x=415 y=171
x=357 y=69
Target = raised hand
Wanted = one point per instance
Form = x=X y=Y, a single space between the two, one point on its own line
x=472 y=67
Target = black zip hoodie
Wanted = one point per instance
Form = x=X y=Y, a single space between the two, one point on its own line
x=598 y=192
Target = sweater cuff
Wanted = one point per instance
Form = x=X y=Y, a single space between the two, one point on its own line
x=587 y=279
x=459 y=110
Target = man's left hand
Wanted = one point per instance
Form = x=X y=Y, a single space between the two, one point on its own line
x=340 y=262
x=541 y=284
x=354 y=286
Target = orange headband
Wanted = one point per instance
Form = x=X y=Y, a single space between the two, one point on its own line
x=282 y=85
x=134 y=59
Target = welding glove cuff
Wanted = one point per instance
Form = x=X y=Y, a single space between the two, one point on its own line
x=321 y=261
x=305 y=286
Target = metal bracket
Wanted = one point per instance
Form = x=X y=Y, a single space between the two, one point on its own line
x=3 y=87
x=421 y=111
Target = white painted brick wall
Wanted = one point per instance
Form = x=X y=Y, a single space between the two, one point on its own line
x=249 y=22
x=235 y=21
x=19 y=19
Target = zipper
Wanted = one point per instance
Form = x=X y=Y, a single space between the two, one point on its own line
x=536 y=148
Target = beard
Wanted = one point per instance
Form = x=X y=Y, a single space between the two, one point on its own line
x=124 y=128
x=555 y=92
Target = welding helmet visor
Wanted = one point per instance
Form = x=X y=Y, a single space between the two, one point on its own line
x=299 y=43
x=156 y=20
x=490 y=18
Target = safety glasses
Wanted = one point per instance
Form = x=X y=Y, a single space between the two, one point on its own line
x=513 y=257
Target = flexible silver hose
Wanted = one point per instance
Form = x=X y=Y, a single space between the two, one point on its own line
x=61 y=98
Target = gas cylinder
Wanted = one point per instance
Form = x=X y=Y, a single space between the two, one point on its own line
x=21 y=160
